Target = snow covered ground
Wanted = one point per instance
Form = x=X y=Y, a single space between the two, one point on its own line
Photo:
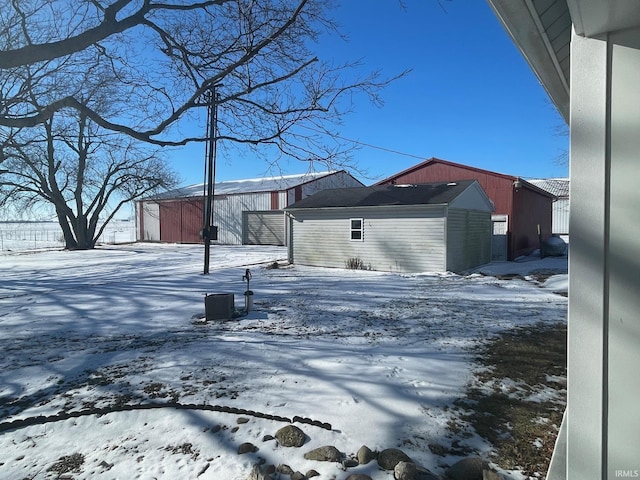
x=21 y=236
x=379 y=356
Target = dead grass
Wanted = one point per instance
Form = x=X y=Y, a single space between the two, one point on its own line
x=67 y=464
x=517 y=399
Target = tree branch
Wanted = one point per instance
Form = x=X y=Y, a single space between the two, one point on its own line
x=110 y=25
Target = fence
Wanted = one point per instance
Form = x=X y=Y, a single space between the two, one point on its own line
x=16 y=236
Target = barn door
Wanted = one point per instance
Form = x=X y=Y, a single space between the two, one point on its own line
x=499 y=238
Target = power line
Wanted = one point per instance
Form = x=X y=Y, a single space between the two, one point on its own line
x=377 y=147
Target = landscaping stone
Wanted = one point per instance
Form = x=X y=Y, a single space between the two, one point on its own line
x=284 y=469
x=471 y=468
x=490 y=475
x=365 y=455
x=411 y=471
x=291 y=436
x=389 y=458
x=405 y=471
x=298 y=476
x=257 y=474
x=327 y=453
x=312 y=473
x=247 y=448
x=358 y=476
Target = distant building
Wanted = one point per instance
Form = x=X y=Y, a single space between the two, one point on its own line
x=246 y=211
x=558 y=187
x=402 y=228
x=522 y=210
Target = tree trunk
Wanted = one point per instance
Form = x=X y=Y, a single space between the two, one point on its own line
x=69 y=240
x=84 y=235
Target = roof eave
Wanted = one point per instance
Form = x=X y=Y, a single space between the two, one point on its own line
x=524 y=27
x=359 y=207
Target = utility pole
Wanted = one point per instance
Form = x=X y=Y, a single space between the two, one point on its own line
x=210 y=232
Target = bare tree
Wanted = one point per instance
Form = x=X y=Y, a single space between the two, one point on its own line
x=161 y=56
x=85 y=174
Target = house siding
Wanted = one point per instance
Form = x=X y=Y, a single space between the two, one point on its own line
x=468 y=239
x=399 y=239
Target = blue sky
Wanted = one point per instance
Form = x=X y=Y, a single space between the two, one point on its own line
x=470 y=98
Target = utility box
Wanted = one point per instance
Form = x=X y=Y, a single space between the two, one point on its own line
x=219 y=306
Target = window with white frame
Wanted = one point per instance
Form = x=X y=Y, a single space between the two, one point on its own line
x=357 y=229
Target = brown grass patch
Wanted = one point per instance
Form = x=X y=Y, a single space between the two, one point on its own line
x=517 y=399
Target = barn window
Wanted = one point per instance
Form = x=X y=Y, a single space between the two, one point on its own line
x=357 y=229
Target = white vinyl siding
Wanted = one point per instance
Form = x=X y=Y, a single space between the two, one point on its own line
x=468 y=239
x=402 y=239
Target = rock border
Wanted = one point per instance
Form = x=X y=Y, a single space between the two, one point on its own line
x=59 y=417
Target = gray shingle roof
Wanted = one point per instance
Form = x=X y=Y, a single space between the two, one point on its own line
x=377 y=195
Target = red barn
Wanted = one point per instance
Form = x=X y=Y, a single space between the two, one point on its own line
x=523 y=212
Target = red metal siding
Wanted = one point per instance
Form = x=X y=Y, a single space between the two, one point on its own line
x=533 y=208
x=192 y=218
x=170 y=221
x=181 y=221
x=530 y=210
x=497 y=188
x=275 y=200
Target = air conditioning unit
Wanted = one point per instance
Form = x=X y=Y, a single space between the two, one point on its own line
x=219 y=306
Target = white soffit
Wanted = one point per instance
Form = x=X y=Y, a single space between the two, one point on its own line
x=542 y=31
x=595 y=17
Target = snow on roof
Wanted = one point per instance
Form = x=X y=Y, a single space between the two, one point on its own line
x=249 y=185
x=556 y=186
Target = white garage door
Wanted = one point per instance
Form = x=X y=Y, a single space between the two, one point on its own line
x=263 y=228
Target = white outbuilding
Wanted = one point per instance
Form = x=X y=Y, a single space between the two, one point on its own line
x=400 y=228
x=559 y=188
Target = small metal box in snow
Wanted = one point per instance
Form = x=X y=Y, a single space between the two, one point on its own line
x=219 y=306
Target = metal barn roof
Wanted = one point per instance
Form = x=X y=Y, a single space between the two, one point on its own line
x=250 y=185
x=558 y=187
x=378 y=195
